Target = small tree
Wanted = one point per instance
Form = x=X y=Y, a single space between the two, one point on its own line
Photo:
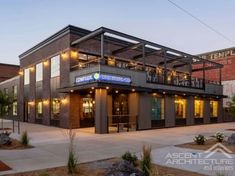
x=5 y=105
x=232 y=106
x=72 y=158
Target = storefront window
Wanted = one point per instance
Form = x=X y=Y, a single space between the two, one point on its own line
x=14 y=108
x=39 y=72
x=120 y=104
x=55 y=109
x=26 y=76
x=198 y=108
x=88 y=107
x=14 y=92
x=39 y=109
x=214 y=108
x=157 y=111
x=180 y=108
x=55 y=66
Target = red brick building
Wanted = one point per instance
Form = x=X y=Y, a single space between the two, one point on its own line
x=227 y=58
x=8 y=71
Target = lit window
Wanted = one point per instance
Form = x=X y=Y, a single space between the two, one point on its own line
x=55 y=66
x=14 y=108
x=55 y=108
x=14 y=92
x=88 y=108
x=157 y=111
x=214 y=108
x=198 y=108
x=26 y=76
x=180 y=108
x=39 y=72
x=39 y=109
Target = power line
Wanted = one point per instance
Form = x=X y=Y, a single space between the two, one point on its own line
x=202 y=22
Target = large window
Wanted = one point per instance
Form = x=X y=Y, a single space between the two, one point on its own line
x=14 y=108
x=26 y=76
x=55 y=66
x=88 y=107
x=180 y=108
x=198 y=108
x=39 y=72
x=39 y=106
x=55 y=109
x=157 y=111
x=14 y=88
x=214 y=108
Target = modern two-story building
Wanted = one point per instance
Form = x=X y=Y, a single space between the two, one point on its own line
x=114 y=82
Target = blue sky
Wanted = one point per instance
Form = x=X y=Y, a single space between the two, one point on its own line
x=24 y=23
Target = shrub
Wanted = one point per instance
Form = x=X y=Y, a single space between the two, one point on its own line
x=146 y=160
x=72 y=159
x=72 y=163
x=219 y=136
x=132 y=158
x=24 y=140
x=200 y=139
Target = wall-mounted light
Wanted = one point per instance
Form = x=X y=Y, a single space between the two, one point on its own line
x=133 y=90
x=73 y=54
x=116 y=91
x=46 y=63
x=32 y=68
x=21 y=73
x=31 y=103
x=71 y=90
x=107 y=87
x=64 y=55
x=45 y=102
x=92 y=88
x=154 y=94
x=64 y=100
x=164 y=93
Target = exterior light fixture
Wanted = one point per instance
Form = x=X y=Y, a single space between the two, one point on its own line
x=133 y=90
x=176 y=95
x=64 y=55
x=184 y=94
x=46 y=63
x=46 y=102
x=74 y=54
x=71 y=90
x=154 y=94
x=116 y=91
x=31 y=68
x=107 y=87
x=91 y=92
x=21 y=73
x=164 y=93
x=64 y=100
x=92 y=88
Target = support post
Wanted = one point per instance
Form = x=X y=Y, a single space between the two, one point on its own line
x=220 y=77
x=143 y=55
x=204 y=74
x=165 y=71
x=102 y=49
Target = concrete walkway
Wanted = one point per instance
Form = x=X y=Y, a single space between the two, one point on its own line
x=51 y=144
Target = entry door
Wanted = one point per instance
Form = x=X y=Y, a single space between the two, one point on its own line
x=120 y=104
x=88 y=112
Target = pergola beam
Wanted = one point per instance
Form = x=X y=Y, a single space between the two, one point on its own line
x=204 y=68
x=130 y=47
x=173 y=60
x=154 y=52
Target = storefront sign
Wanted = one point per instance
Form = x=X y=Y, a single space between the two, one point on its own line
x=218 y=54
x=103 y=77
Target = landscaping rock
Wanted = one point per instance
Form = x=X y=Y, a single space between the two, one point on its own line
x=231 y=139
x=5 y=139
x=124 y=168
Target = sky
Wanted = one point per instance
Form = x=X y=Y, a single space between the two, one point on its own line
x=24 y=23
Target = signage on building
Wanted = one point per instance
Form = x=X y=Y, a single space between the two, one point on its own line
x=103 y=77
x=219 y=54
